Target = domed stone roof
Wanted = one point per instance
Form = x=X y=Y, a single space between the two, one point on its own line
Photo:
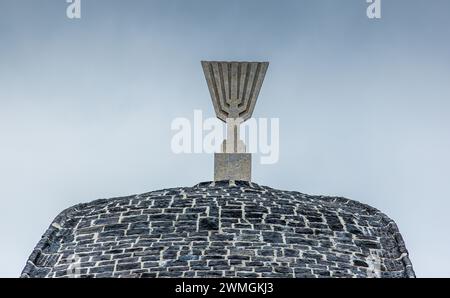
x=221 y=229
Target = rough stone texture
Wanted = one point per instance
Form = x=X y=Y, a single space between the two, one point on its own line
x=232 y=166
x=221 y=229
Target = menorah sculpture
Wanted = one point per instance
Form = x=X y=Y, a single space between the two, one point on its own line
x=234 y=89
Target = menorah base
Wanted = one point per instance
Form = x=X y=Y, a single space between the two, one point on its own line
x=232 y=166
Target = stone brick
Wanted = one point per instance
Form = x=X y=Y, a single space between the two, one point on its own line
x=272 y=237
x=221 y=230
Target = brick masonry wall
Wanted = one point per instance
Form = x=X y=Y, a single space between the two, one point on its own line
x=223 y=229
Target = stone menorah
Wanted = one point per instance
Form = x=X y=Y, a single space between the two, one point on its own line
x=234 y=89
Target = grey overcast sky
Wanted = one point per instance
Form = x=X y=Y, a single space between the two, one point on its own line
x=364 y=106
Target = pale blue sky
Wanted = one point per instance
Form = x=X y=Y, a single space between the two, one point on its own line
x=364 y=106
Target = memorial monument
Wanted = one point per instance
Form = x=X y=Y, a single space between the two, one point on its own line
x=229 y=227
x=234 y=89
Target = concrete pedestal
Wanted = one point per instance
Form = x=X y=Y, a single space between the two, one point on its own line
x=232 y=166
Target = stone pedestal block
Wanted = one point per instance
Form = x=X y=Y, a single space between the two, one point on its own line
x=232 y=166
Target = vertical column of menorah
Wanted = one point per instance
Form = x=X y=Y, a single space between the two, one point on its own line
x=234 y=89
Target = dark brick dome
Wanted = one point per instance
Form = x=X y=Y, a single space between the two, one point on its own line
x=221 y=229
